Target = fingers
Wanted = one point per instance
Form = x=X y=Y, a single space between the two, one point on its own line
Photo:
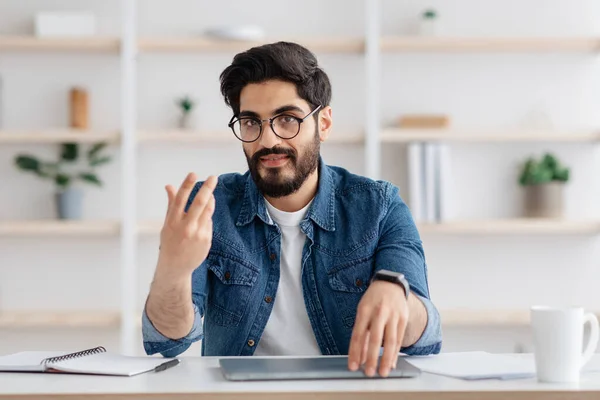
x=183 y=194
x=375 y=338
x=358 y=338
x=202 y=198
x=365 y=350
x=205 y=219
x=171 y=197
x=390 y=354
x=402 y=323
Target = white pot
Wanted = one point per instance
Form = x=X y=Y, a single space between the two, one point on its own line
x=428 y=27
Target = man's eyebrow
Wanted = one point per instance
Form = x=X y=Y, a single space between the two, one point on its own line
x=287 y=108
x=277 y=111
x=248 y=113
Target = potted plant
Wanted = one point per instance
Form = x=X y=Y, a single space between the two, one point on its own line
x=64 y=174
x=544 y=181
x=186 y=105
x=428 y=22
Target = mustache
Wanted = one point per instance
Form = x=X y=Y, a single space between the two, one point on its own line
x=274 y=150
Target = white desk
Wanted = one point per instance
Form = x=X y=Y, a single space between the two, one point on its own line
x=200 y=378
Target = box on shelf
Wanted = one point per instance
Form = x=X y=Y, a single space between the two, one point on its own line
x=411 y=121
x=65 y=24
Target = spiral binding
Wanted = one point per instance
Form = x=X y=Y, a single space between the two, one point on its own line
x=84 y=353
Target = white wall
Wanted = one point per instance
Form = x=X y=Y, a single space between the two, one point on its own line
x=493 y=91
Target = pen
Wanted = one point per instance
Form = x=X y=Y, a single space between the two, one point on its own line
x=166 y=365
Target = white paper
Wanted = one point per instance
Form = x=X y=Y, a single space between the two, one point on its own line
x=110 y=364
x=475 y=365
x=27 y=360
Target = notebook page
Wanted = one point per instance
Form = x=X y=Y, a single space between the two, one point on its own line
x=109 y=364
x=27 y=360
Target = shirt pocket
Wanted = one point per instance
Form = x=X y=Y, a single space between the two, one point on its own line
x=231 y=285
x=348 y=282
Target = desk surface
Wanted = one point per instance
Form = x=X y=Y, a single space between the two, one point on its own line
x=200 y=378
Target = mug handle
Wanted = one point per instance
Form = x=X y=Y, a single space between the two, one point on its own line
x=592 y=344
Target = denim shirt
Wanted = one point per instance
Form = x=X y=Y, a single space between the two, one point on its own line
x=354 y=227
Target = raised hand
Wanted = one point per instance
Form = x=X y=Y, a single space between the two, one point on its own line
x=186 y=237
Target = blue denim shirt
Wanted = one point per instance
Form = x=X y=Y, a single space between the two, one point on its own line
x=354 y=227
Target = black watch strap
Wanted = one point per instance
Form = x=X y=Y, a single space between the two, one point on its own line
x=393 y=277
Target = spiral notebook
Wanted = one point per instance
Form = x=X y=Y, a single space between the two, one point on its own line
x=96 y=361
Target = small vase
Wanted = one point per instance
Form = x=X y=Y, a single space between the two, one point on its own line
x=184 y=121
x=428 y=27
x=545 y=200
x=69 y=203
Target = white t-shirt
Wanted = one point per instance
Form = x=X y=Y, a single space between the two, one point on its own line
x=288 y=330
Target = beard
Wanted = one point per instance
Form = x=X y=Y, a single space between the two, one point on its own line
x=274 y=182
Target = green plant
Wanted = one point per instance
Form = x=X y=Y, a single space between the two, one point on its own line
x=429 y=14
x=548 y=169
x=186 y=104
x=56 y=171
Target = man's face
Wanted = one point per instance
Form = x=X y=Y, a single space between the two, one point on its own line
x=279 y=166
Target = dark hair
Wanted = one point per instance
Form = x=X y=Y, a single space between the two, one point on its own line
x=284 y=61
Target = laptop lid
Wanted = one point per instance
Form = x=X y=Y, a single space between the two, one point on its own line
x=280 y=368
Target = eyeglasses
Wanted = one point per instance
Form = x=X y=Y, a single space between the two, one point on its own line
x=285 y=126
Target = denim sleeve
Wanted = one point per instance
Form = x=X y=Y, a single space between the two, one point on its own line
x=400 y=249
x=154 y=341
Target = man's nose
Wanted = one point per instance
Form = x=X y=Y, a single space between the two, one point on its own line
x=269 y=139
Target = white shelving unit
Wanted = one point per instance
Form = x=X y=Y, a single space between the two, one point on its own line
x=372 y=47
x=90 y=44
x=203 y=44
x=395 y=135
x=513 y=45
x=59 y=228
x=57 y=136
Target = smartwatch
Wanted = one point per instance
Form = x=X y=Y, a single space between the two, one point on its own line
x=393 y=277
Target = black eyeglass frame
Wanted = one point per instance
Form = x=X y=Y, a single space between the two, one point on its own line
x=236 y=119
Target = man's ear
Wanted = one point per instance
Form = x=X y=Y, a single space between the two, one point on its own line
x=325 y=123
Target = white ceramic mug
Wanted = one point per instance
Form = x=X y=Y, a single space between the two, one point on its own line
x=558 y=342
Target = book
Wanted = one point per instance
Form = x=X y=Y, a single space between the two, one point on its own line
x=95 y=361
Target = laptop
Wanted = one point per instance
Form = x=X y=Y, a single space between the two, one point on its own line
x=294 y=368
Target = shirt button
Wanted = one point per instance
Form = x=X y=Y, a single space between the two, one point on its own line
x=251 y=343
x=273 y=256
x=268 y=299
x=227 y=275
x=359 y=282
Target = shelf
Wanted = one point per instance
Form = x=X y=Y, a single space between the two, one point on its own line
x=52 y=319
x=439 y=44
x=58 y=136
x=87 y=44
x=204 y=44
x=486 y=318
x=513 y=226
x=150 y=228
x=400 y=135
x=458 y=318
x=455 y=318
x=59 y=228
x=179 y=136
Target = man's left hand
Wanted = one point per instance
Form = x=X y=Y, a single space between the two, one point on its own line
x=381 y=317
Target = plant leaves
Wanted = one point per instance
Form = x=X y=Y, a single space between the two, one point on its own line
x=70 y=152
x=28 y=163
x=96 y=148
x=90 y=178
x=99 y=161
x=62 y=180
